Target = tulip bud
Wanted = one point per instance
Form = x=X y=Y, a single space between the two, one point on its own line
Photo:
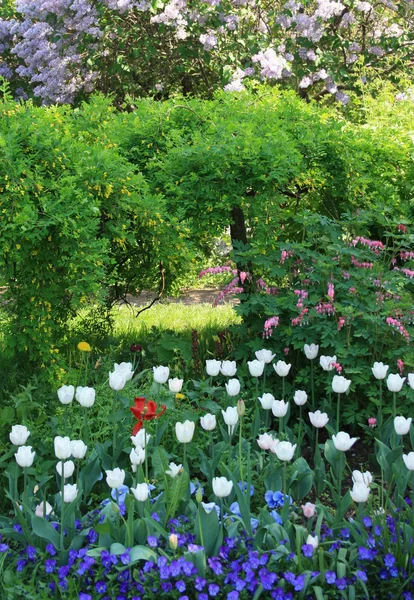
x=24 y=456
x=327 y=362
x=213 y=367
x=300 y=398
x=311 y=351
x=173 y=541
x=222 y=487
x=230 y=416
x=285 y=451
x=208 y=422
x=70 y=491
x=117 y=381
x=63 y=448
x=409 y=461
x=267 y=401
x=43 y=509
x=68 y=468
x=256 y=367
x=228 y=368
x=174 y=470
x=411 y=380
x=359 y=492
x=282 y=368
x=185 y=431
x=379 y=370
x=402 y=425
x=233 y=387
x=199 y=494
x=19 y=435
x=342 y=441
x=312 y=541
x=141 y=492
x=125 y=369
x=78 y=449
x=339 y=384
x=175 y=385
x=280 y=408
x=309 y=510
x=395 y=382
x=318 y=419
x=161 y=374
x=241 y=408
x=265 y=356
x=115 y=478
x=85 y=396
x=66 y=394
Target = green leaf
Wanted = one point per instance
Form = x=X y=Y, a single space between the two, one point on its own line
x=141 y=553
x=44 y=529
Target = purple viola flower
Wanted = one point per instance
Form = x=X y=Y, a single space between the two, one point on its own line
x=361 y=575
x=180 y=585
x=307 y=550
x=330 y=576
x=100 y=587
x=50 y=565
x=152 y=541
x=389 y=560
x=234 y=595
x=341 y=583
x=200 y=583
x=213 y=589
x=83 y=596
x=3 y=547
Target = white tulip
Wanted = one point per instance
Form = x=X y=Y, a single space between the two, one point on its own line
x=265 y=356
x=267 y=442
x=228 y=368
x=311 y=351
x=174 y=469
x=66 y=394
x=137 y=456
x=267 y=401
x=312 y=541
x=256 y=367
x=208 y=422
x=340 y=385
x=63 y=448
x=342 y=441
x=379 y=370
x=141 y=439
x=222 y=487
x=395 y=382
x=70 y=491
x=24 y=456
x=359 y=492
x=409 y=460
x=68 y=468
x=141 y=492
x=43 y=509
x=124 y=368
x=365 y=478
x=402 y=425
x=175 y=385
x=300 y=398
x=117 y=381
x=115 y=477
x=280 y=408
x=282 y=368
x=411 y=380
x=85 y=396
x=161 y=374
x=19 y=435
x=318 y=419
x=230 y=416
x=327 y=362
x=285 y=451
x=78 y=448
x=213 y=367
x=185 y=431
x=233 y=387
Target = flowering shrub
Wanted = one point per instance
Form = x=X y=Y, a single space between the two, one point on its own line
x=60 y=51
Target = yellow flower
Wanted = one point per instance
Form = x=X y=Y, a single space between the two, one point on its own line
x=84 y=347
x=180 y=396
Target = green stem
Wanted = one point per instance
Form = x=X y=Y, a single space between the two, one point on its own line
x=86 y=369
x=66 y=418
x=229 y=453
x=62 y=507
x=338 y=411
x=312 y=387
x=300 y=430
x=284 y=481
x=25 y=483
x=264 y=380
x=114 y=431
x=184 y=456
x=380 y=407
x=280 y=426
x=394 y=405
x=283 y=388
x=240 y=449
x=199 y=526
x=85 y=426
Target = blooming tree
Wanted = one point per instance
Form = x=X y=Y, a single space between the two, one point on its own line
x=59 y=50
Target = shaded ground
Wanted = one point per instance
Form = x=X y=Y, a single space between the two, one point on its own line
x=187 y=297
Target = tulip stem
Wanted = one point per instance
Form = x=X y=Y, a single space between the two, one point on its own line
x=264 y=380
x=312 y=386
x=280 y=426
x=114 y=426
x=66 y=418
x=283 y=388
x=300 y=429
x=380 y=407
x=284 y=481
x=394 y=404
x=85 y=426
x=338 y=410
x=62 y=506
x=240 y=449
x=222 y=516
x=25 y=491
x=184 y=456
x=229 y=455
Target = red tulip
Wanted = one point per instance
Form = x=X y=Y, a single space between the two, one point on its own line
x=145 y=410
